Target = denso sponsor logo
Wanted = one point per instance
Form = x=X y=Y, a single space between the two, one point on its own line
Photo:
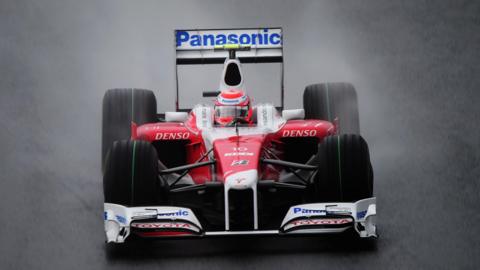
x=308 y=211
x=323 y=221
x=162 y=225
x=179 y=213
x=172 y=136
x=299 y=133
x=234 y=154
x=217 y=38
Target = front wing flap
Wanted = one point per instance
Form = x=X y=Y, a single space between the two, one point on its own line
x=154 y=221
x=332 y=217
x=169 y=221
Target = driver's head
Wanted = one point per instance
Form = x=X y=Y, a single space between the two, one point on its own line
x=232 y=104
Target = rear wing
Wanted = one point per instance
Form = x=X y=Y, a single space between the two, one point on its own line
x=200 y=46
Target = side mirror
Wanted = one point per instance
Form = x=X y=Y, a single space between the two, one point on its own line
x=176 y=116
x=293 y=114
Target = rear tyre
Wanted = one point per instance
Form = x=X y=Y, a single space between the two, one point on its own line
x=345 y=172
x=121 y=107
x=131 y=174
x=330 y=101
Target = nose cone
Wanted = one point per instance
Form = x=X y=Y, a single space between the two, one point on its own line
x=242 y=180
x=239 y=157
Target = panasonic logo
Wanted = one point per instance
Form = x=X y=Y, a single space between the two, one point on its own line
x=178 y=213
x=232 y=101
x=308 y=211
x=210 y=38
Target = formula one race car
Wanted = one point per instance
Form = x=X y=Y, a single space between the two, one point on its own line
x=232 y=167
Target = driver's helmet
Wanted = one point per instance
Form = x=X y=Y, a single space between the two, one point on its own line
x=232 y=104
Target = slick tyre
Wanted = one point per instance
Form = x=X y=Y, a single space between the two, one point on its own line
x=345 y=173
x=131 y=174
x=330 y=101
x=120 y=108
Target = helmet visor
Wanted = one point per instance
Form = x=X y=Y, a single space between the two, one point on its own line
x=231 y=111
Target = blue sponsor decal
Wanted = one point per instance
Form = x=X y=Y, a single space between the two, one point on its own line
x=105 y=216
x=232 y=101
x=211 y=39
x=179 y=213
x=121 y=219
x=229 y=100
x=308 y=211
x=361 y=214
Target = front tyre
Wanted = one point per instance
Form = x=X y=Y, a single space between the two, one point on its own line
x=131 y=174
x=345 y=173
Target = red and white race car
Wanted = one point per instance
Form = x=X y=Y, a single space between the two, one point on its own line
x=232 y=167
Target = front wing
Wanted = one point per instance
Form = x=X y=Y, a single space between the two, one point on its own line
x=170 y=221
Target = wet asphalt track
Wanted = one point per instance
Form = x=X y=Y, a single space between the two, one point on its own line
x=415 y=66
